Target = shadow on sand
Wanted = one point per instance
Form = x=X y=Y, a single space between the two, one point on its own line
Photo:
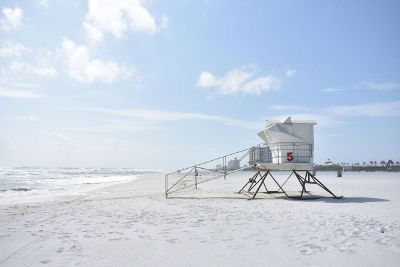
x=205 y=197
x=314 y=198
x=327 y=199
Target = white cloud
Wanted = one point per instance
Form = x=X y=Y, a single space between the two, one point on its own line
x=260 y=84
x=18 y=93
x=12 y=18
x=113 y=126
x=207 y=79
x=323 y=120
x=93 y=33
x=80 y=66
x=164 y=22
x=239 y=81
x=291 y=72
x=60 y=140
x=366 y=85
x=42 y=67
x=40 y=70
x=117 y=17
x=153 y=115
x=384 y=86
x=332 y=90
x=11 y=49
x=24 y=118
x=335 y=116
x=287 y=107
x=44 y=3
x=11 y=83
x=379 y=109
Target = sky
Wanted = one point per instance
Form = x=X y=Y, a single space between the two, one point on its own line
x=163 y=84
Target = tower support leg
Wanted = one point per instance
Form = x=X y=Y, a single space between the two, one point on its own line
x=318 y=182
x=258 y=180
x=251 y=181
x=262 y=179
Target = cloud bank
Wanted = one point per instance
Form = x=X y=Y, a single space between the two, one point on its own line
x=378 y=109
x=18 y=93
x=154 y=115
x=12 y=49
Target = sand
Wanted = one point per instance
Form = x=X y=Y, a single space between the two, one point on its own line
x=132 y=224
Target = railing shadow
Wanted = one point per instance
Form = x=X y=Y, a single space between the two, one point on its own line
x=344 y=200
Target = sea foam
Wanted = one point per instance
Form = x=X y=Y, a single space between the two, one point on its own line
x=28 y=184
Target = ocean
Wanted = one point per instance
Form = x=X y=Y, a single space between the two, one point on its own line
x=28 y=184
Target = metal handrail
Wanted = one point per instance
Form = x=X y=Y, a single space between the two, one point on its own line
x=180 y=179
x=213 y=178
x=222 y=173
x=211 y=160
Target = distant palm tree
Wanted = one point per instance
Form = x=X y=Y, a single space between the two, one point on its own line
x=375 y=163
x=383 y=163
x=371 y=163
x=390 y=162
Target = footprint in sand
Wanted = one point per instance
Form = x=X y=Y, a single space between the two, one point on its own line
x=45 y=261
x=347 y=250
x=309 y=249
x=345 y=246
x=60 y=250
x=63 y=237
x=115 y=239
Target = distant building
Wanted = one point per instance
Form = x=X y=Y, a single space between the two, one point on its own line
x=260 y=155
x=233 y=164
x=347 y=168
x=219 y=167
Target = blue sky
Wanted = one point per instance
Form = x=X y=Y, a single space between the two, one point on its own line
x=147 y=84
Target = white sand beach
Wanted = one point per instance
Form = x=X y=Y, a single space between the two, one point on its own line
x=132 y=224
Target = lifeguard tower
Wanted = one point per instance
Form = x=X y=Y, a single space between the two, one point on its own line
x=292 y=148
x=287 y=146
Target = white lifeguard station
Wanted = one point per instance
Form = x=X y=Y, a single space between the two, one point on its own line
x=288 y=146
x=292 y=148
x=291 y=144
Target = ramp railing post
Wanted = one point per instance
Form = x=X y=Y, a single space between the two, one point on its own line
x=166 y=186
x=195 y=176
x=225 y=167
